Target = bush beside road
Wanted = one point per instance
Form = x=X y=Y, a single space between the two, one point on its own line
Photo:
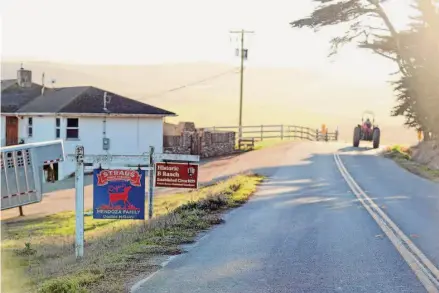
x=41 y=250
x=403 y=156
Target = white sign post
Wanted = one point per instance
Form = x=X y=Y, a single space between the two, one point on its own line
x=107 y=161
x=79 y=202
x=151 y=183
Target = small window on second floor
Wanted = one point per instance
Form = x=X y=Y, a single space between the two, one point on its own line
x=57 y=127
x=29 y=127
x=72 y=129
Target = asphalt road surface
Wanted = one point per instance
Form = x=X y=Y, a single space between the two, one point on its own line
x=306 y=231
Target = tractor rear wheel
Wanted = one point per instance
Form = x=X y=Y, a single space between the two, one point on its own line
x=376 y=138
x=357 y=136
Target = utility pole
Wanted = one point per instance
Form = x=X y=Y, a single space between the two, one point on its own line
x=243 y=53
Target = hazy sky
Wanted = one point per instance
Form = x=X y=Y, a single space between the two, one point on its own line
x=144 y=31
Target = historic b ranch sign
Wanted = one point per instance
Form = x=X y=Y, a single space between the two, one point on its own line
x=119 y=194
x=176 y=175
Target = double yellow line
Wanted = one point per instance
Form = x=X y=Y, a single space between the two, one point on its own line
x=424 y=269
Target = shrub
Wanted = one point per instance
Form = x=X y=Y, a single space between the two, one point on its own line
x=62 y=285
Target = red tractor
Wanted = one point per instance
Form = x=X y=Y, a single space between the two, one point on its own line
x=367 y=131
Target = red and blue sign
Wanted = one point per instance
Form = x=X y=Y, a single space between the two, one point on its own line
x=119 y=194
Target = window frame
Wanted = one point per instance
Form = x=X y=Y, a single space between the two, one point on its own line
x=72 y=128
x=57 y=127
x=30 y=128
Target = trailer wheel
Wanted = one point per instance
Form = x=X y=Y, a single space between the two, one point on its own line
x=357 y=136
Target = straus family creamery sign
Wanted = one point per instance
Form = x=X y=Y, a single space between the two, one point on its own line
x=119 y=194
x=176 y=175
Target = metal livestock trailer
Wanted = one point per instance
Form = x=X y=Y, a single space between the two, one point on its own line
x=22 y=171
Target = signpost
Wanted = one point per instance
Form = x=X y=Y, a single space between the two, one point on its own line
x=151 y=181
x=176 y=175
x=117 y=192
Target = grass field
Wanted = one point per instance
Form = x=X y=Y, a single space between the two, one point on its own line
x=266 y=143
x=402 y=155
x=38 y=255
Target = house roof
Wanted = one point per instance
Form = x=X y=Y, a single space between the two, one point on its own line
x=52 y=101
x=91 y=101
x=13 y=96
x=78 y=99
x=7 y=83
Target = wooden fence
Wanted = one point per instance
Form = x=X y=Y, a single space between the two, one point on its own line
x=261 y=132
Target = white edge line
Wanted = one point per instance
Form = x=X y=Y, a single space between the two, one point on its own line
x=405 y=253
x=163 y=264
x=398 y=231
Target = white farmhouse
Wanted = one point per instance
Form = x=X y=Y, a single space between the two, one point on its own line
x=78 y=115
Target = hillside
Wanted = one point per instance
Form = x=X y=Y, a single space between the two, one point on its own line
x=271 y=95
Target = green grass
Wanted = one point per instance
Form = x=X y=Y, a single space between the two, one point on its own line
x=402 y=155
x=398 y=151
x=268 y=143
x=116 y=251
x=60 y=224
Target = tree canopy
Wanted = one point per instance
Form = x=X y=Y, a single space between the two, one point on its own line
x=414 y=50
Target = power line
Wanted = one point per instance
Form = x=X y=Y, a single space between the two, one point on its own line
x=189 y=84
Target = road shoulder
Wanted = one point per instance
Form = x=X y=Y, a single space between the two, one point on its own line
x=409 y=159
x=135 y=248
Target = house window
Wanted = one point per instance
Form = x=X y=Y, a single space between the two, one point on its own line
x=29 y=127
x=72 y=130
x=57 y=127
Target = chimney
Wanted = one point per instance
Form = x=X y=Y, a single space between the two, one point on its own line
x=24 y=77
x=42 y=83
x=107 y=100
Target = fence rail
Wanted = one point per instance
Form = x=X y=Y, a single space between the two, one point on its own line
x=261 y=132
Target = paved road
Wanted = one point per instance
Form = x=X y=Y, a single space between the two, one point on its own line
x=60 y=196
x=410 y=201
x=304 y=231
